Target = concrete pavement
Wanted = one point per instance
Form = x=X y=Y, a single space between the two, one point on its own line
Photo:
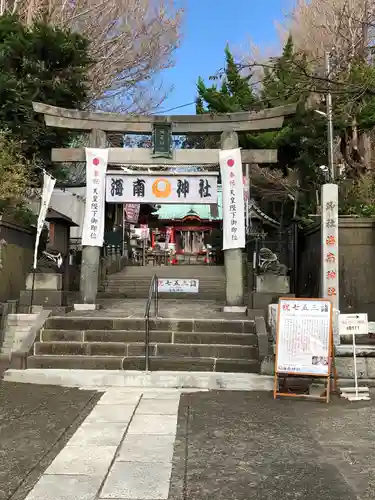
x=144 y=444
x=123 y=450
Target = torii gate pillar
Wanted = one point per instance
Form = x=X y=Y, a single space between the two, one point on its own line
x=90 y=264
x=234 y=290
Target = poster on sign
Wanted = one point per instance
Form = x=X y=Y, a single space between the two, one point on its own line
x=303 y=338
x=93 y=222
x=233 y=198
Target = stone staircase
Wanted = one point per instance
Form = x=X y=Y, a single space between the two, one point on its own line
x=16 y=328
x=112 y=343
x=134 y=281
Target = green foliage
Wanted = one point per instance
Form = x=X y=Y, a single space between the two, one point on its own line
x=301 y=142
x=234 y=94
x=358 y=197
x=45 y=64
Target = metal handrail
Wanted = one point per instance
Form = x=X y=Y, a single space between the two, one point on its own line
x=152 y=293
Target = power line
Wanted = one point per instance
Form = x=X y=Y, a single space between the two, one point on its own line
x=176 y=107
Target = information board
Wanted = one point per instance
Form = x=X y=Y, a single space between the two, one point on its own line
x=304 y=337
x=353 y=324
x=176 y=285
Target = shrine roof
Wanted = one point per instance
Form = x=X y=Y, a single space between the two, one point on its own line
x=208 y=212
x=204 y=212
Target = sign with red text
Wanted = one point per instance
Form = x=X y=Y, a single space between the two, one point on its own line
x=233 y=199
x=304 y=336
x=330 y=244
x=93 y=222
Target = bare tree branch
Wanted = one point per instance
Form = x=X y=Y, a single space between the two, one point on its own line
x=132 y=41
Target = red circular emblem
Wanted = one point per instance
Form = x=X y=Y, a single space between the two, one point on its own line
x=96 y=161
x=230 y=162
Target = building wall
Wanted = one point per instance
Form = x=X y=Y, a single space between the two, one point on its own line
x=16 y=259
x=71 y=202
x=357 y=264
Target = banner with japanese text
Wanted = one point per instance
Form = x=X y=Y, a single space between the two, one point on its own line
x=48 y=186
x=93 y=223
x=330 y=247
x=233 y=199
x=131 y=212
x=160 y=189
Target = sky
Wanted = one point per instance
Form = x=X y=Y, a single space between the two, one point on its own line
x=208 y=26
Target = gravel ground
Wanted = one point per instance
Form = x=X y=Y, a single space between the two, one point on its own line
x=35 y=423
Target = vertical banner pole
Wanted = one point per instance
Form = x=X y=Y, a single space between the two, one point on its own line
x=48 y=186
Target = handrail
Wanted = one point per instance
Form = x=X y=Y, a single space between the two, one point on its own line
x=152 y=293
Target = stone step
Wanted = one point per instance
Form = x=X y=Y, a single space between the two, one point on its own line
x=156 y=363
x=132 y=380
x=177 y=271
x=139 y=294
x=156 y=336
x=359 y=339
x=77 y=323
x=155 y=349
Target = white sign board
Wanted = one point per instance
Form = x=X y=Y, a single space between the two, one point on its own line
x=233 y=199
x=330 y=244
x=166 y=188
x=353 y=324
x=303 y=340
x=93 y=222
x=177 y=285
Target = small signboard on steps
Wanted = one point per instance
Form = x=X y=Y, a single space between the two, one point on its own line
x=178 y=285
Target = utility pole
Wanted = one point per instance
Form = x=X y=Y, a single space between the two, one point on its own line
x=329 y=120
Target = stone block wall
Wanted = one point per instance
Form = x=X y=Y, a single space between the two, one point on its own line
x=357 y=264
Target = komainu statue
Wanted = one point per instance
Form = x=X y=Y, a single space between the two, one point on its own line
x=50 y=262
x=269 y=263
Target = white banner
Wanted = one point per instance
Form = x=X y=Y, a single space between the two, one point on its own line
x=166 y=188
x=93 y=224
x=330 y=244
x=233 y=199
x=48 y=186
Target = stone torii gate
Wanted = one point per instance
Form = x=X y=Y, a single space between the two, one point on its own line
x=98 y=124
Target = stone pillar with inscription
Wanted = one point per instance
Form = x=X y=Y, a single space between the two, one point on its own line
x=234 y=288
x=90 y=264
x=330 y=244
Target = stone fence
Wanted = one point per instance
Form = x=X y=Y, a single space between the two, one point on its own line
x=357 y=264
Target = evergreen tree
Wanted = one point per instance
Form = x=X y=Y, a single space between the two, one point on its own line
x=39 y=63
x=301 y=142
x=235 y=92
x=232 y=95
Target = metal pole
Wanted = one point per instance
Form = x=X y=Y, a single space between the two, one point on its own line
x=329 y=120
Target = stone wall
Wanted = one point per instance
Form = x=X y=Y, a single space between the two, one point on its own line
x=16 y=257
x=357 y=264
